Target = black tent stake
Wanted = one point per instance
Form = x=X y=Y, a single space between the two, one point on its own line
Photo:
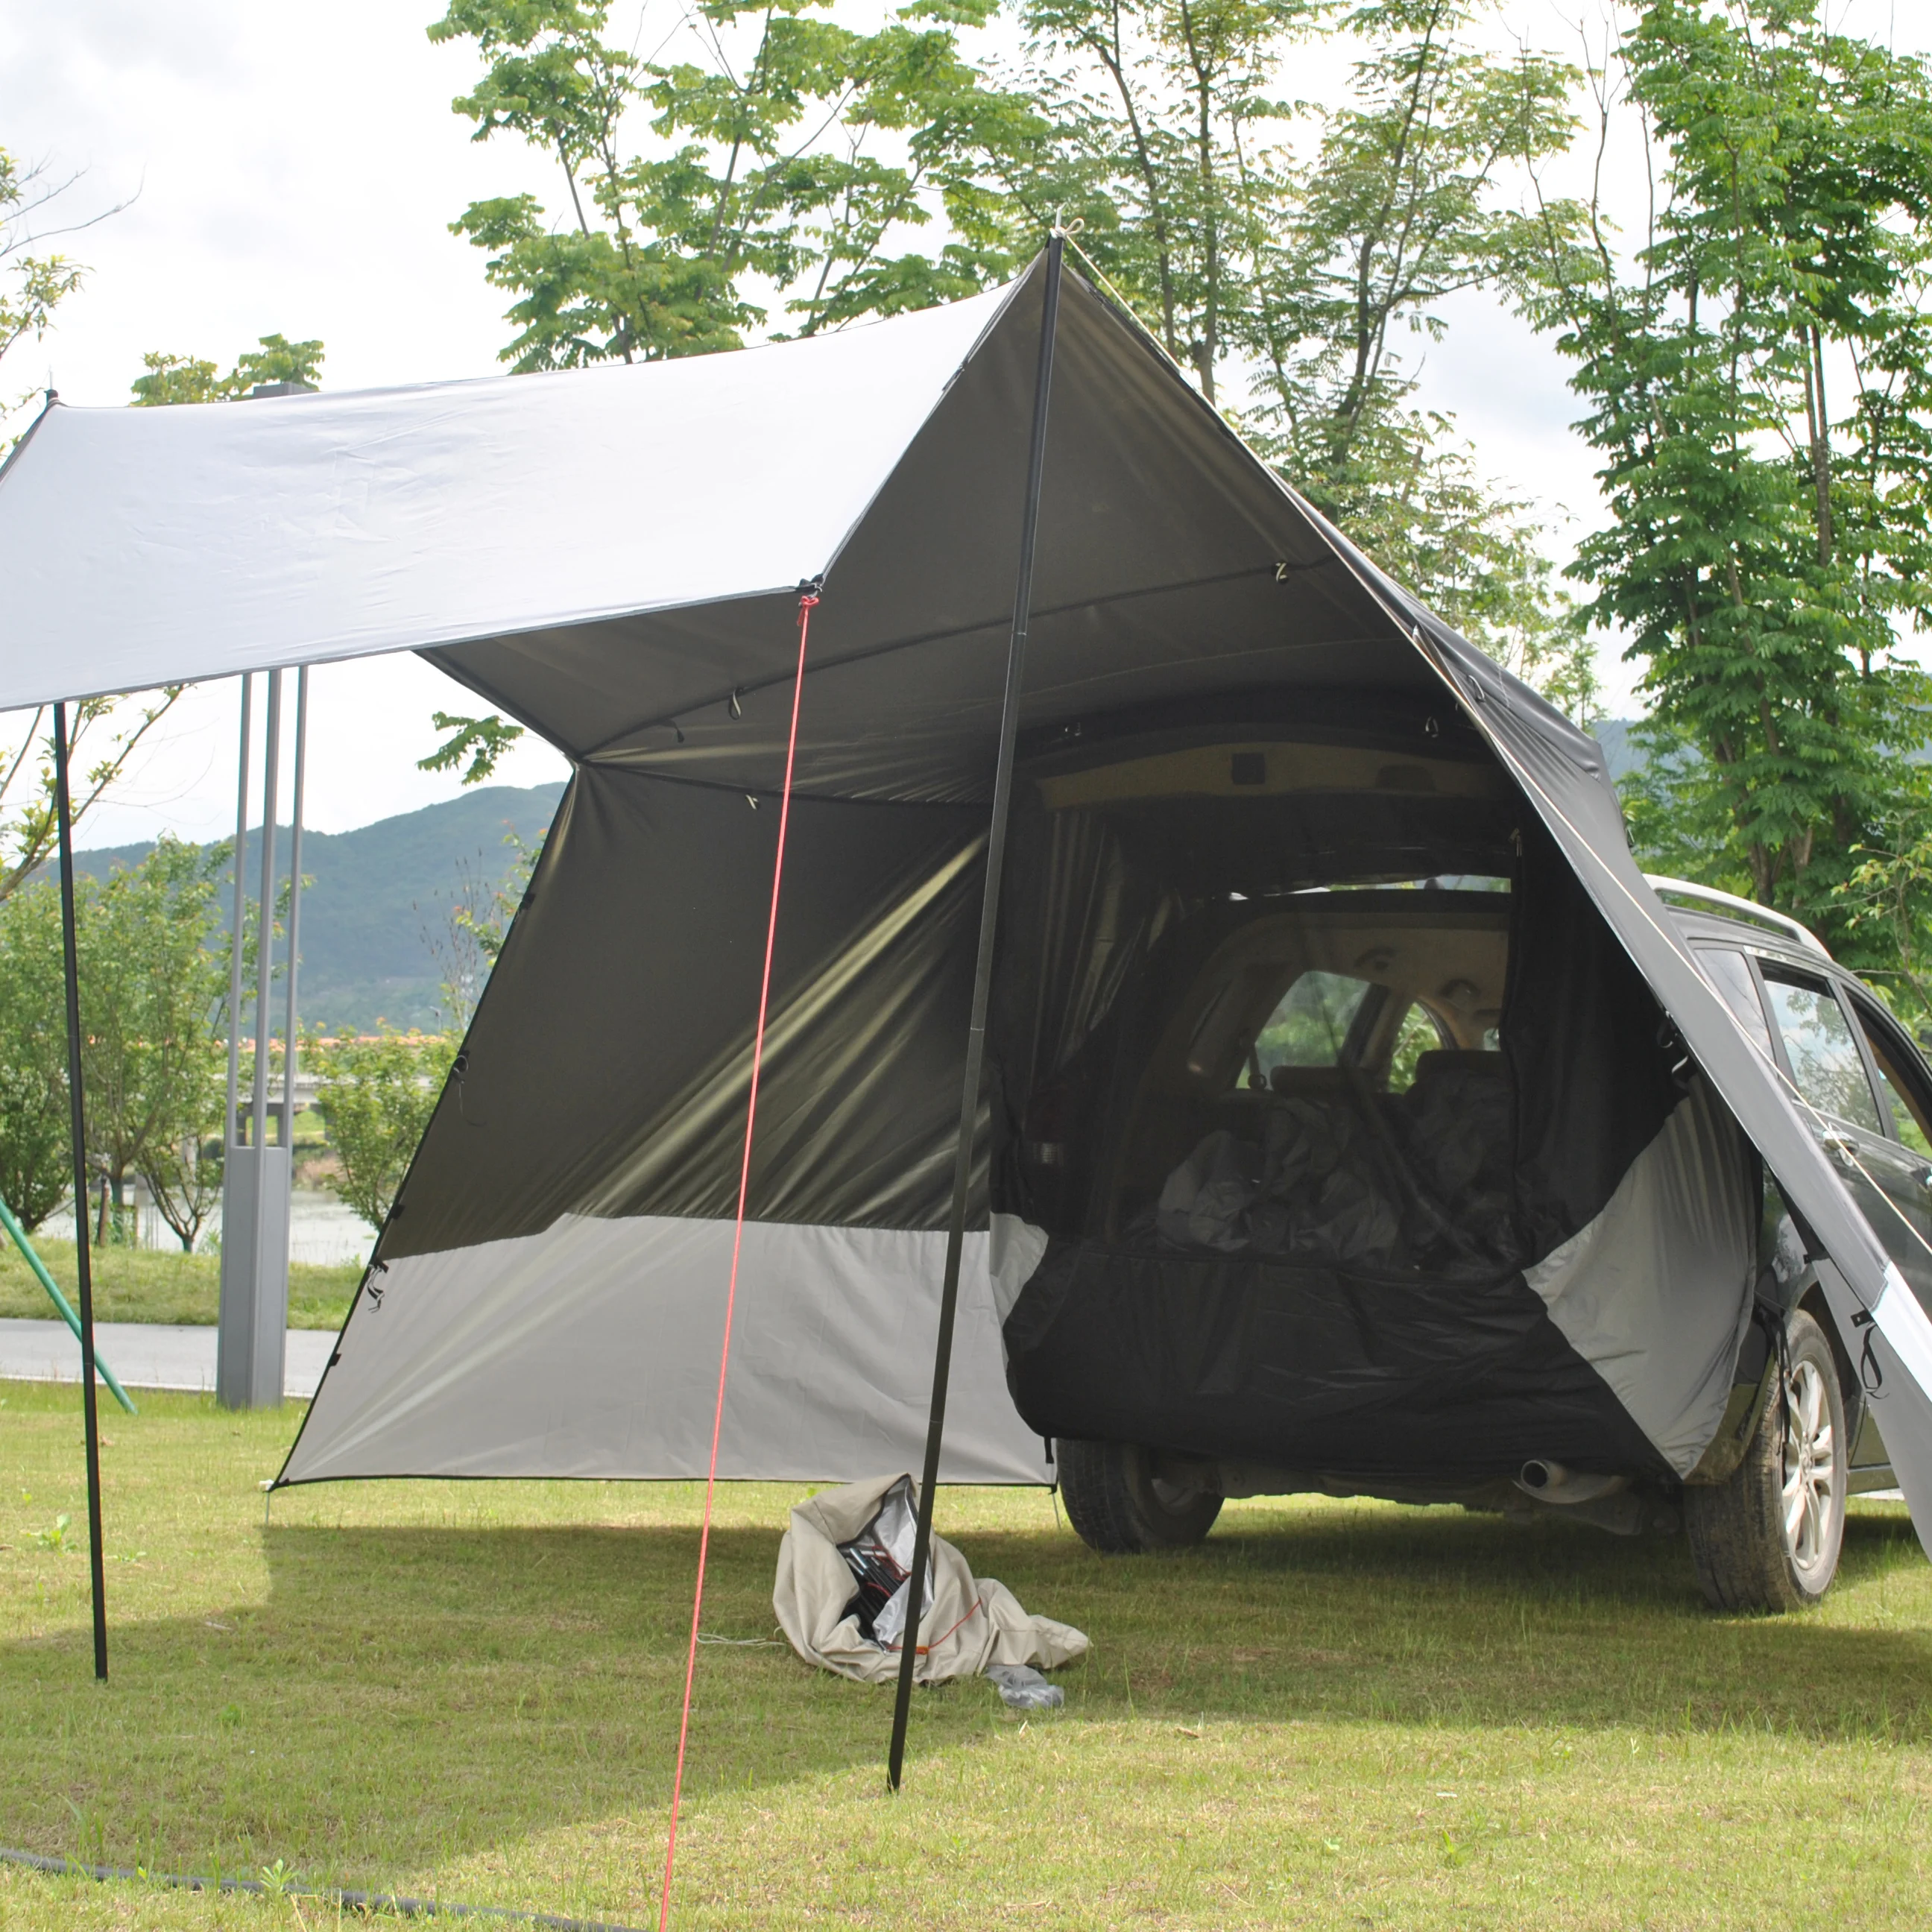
x=982 y=974
x=77 y=1121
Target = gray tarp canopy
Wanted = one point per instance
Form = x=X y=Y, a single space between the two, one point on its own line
x=609 y=556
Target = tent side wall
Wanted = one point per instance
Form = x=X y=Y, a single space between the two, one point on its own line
x=551 y=1296
x=608 y=1068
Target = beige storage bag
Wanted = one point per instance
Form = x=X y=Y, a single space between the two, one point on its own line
x=968 y=1623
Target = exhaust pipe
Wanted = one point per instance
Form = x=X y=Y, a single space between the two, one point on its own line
x=1550 y=1482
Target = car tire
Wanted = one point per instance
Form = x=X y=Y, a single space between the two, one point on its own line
x=1119 y=1506
x=1767 y=1537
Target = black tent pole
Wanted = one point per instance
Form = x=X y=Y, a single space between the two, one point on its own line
x=77 y=1122
x=982 y=975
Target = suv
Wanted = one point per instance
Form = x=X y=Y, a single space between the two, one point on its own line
x=1765 y=1530
x=1764 y=1508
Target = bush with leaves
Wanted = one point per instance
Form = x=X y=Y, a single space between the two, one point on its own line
x=36 y=1166
x=154 y=1002
x=376 y=1096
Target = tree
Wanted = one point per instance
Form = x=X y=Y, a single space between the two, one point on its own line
x=483 y=741
x=189 y=379
x=376 y=1097
x=36 y=1161
x=29 y=821
x=1762 y=550
x=762 y=172
x=35 y=282
x=476 y=918
x=38 y=282
x=153 y=1002
x=1279 y=250
x=1886 y=899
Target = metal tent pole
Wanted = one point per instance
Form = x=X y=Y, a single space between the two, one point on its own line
x=230 y=1133
x=264 y=936
x=295 y=913
x=77 y=1122
x=982 y=975
x=17 y=1235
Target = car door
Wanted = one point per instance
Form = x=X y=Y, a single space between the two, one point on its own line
x=1824 y=1056
x=1906 y=1103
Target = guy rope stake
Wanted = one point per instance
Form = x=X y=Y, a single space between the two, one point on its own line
x=807 y=601
x=982 y=975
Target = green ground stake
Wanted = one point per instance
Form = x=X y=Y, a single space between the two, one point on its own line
x=47 y=1281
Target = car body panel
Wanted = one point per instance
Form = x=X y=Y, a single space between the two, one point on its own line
x=1891 y=1179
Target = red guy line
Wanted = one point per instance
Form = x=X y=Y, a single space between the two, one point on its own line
x=808 y=600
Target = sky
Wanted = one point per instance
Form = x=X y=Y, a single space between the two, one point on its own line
x=294 y=168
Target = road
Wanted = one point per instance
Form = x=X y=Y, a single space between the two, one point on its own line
x=148 y=1355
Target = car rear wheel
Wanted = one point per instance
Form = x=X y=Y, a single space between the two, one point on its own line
x=1120 y=1506
x=1767 y=1538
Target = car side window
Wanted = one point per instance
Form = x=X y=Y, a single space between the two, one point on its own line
x=1899 y=1092
x=1826 y=1066
x=1730 y=971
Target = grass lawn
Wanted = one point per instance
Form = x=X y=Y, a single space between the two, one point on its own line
x=1334 y=1715
x=151 y=1285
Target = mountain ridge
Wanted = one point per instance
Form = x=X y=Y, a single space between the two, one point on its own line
x=374 y=895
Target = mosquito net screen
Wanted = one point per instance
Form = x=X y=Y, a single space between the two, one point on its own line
x=1313 y=1050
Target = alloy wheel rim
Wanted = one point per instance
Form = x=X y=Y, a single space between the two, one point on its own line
x=1811 y=1494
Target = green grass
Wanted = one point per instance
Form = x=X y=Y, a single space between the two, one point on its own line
x=151 y=1285
x=1333 y=1714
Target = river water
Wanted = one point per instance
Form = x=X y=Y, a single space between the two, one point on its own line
x=321 y=1228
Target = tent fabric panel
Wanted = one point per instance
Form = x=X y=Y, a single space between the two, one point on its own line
x=1170 y=563
x=1308 y=1369
x=1655 y=1292
x=145 y=547
x=591 y=1350
x=608 y=1067
x=919 y=721
x=1894 y=1357
x=1578 y=1019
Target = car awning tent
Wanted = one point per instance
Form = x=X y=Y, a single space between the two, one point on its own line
x=614 y=556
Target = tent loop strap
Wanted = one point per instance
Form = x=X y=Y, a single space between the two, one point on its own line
x=808 y=601
x=1871 y=1372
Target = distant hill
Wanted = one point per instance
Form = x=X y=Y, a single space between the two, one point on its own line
x=375 y=893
